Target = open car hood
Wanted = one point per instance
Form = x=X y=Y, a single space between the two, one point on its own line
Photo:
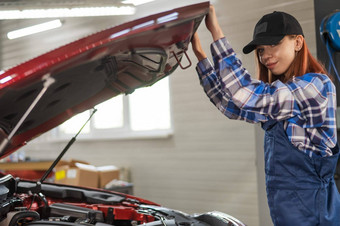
x=84 y=73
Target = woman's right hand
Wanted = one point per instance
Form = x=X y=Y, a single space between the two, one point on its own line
x=212 y=24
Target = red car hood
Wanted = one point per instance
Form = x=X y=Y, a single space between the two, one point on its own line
x=84 y=73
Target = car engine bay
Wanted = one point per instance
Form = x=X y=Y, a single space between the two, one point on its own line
x=34 y=203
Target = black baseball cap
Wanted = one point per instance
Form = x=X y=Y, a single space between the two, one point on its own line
x=271 y=29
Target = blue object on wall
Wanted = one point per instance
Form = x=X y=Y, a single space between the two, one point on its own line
x=330 y=30
x=330 y=35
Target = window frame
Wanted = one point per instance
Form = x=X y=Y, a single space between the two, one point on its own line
x=119 y=133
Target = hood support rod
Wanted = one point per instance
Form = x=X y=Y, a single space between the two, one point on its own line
x=47 y=82
x=69 y=144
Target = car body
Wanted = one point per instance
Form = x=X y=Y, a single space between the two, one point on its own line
x=53 y=87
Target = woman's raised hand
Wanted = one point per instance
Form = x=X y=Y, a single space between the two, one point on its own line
x=197 y=47
x=212 y=24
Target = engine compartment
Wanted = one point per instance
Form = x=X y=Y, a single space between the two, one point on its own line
x=28 y=202
x=33 y=203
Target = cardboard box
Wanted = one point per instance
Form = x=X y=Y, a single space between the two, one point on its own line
x=80 y=173
x=77 y=173
x=107 y=174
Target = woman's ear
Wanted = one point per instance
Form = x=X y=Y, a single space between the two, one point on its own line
x=298 y=43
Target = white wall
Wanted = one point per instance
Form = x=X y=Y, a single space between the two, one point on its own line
x=210 y=163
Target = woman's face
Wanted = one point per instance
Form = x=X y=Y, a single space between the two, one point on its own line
x=278 y=58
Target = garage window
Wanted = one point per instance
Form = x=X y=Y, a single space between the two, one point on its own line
x=142 y=114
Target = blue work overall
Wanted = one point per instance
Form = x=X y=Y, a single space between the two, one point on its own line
x=301 y=190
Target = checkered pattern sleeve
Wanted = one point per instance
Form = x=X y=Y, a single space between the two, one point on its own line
x=220 y=97
x=306 y=102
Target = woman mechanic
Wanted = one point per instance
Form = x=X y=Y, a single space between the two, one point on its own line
x=294 y=100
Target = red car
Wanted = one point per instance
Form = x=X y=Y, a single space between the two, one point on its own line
x=42 y=93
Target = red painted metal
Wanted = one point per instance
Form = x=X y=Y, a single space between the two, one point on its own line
x=171 y=36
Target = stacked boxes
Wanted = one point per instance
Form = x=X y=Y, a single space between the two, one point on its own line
x=80 y=173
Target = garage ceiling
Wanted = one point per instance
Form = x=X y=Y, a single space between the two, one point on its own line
x=29 y=4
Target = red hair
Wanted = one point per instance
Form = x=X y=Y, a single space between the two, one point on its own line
x=303 y=63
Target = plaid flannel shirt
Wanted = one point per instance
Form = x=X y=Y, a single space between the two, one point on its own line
x=306 y=104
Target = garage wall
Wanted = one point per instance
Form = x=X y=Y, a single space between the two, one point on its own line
x=210 y=162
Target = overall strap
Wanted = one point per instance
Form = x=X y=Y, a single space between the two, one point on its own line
x=269 y=124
